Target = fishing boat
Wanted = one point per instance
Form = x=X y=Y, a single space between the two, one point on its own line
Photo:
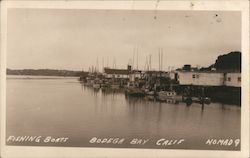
x=201 y=100
x=149 y=92
x=164 y=95
x=133 y=90
x=97 y=84
x=89 y=82
x=171 y=101
x=115 y=86
x=150 y=98
x=206 y=100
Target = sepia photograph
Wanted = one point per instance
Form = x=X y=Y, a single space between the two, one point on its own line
x=124 y=78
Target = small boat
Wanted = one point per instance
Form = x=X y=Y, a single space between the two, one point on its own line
x=150 y=97
x=199 y=100
x=133 y=90
x=115 y=86
x=206 y=100
x=105 y=84
x=152 y=93
x=96 y=85
x=202 y=100
x=88 y=82
x=149 y=92
x=166 y=94
x=171 y=101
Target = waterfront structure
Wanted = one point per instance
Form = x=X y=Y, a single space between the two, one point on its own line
x=116 y=73
x=157 y=74
x=209 y=78
x=135 y=75
x=232 y=79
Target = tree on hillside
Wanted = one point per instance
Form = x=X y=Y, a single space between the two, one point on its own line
x=230 y=61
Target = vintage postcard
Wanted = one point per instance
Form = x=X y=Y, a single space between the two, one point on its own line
x=124 y=79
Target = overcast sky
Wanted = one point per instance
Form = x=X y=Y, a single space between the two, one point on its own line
x=74 y=39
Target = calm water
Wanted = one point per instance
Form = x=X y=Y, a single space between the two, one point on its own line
x=62 y=107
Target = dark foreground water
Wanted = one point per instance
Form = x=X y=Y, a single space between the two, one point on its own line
x=62 y=112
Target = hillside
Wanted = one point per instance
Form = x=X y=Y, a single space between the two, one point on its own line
x=45 y=72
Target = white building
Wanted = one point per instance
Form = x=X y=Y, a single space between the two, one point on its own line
x=233 y=79
x=116 y=73
x=209 y=78
x=135 y=75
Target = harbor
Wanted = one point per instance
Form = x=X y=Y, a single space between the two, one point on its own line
x=187 y=84
x=148 y=108
x=80 y=113
x=128 y=107
x=125 y=79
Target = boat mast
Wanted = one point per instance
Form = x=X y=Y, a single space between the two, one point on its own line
x=97 y=65
x=107 y=61
x=102 y=64
x=150 y=62
x=146 y=64
x=137 y=58
x=114 y=63
x=133 y=57
x=161 y=58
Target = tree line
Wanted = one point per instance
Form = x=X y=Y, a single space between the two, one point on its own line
x=45 y=72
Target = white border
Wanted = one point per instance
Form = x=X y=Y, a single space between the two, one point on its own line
x=243 y=6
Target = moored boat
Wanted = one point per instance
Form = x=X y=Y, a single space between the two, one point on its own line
x=115 y=86
x=151 y=93
x=168 y=95
x=96 y=85
x=133 y=90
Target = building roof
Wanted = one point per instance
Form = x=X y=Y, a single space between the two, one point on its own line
x=207 y=71
x=116 y=71
x=155 y=72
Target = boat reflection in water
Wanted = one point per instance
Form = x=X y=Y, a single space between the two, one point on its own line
x=83 y=112
x=103 y=90
x=161 y=97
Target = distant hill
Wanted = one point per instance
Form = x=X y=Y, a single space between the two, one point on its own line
x=226 y=62
x=45 y=72
x=230 y=61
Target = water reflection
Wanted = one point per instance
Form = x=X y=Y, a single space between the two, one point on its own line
x=81 y=112
x=132 y=100
x=171 y=111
